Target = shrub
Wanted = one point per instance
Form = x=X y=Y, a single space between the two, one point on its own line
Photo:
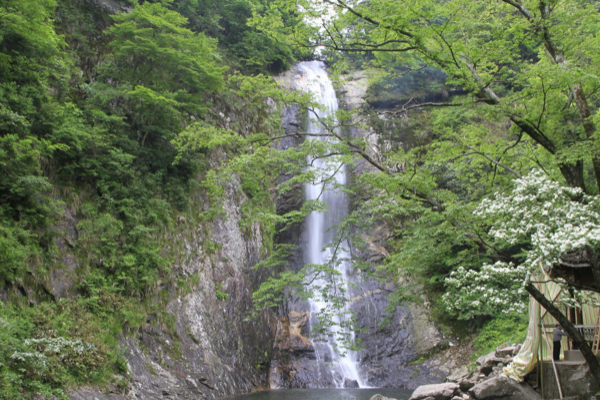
x=510 y=328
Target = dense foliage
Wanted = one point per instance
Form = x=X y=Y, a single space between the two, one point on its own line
x=110 y=120
x=520 y=92
x=505 y=329
x=95 y=102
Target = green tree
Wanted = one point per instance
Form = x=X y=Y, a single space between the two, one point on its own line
x=92 y=108
x=163 y=70
x=245 y=47
x=31 y=66
x=527 y=71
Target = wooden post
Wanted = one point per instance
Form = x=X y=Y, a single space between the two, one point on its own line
x=553 y=364
x=541 y=357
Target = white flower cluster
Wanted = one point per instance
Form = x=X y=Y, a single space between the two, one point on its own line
x=556 y=220
x=550 y=220
x=37 y=358
x=59 y=344
x=494 y=289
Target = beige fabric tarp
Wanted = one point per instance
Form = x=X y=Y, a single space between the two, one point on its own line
x=525 y=361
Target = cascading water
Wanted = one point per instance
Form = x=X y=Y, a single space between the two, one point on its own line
x=320 y=232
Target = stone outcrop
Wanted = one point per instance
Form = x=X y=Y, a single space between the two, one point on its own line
x=350 y=384
x=487 y=362
x=488 y=366
x=503 y=388
x=442 y=391
x=487 y=382
x=206 y=348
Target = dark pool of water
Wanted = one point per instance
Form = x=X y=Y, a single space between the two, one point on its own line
x=323 y=394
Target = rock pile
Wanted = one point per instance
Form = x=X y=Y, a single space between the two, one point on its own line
x=486 y=383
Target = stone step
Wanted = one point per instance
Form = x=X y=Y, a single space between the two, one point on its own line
x=573 y=355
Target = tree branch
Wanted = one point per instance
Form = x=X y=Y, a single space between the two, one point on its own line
x=522 y=9
x=515 y=172
x=533 y=132
x=361 y=50
x=420 y=196
x=344 y=6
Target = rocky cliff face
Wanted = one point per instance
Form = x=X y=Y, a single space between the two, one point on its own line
x=209 y=350
x=392 y=351
x=389 y=351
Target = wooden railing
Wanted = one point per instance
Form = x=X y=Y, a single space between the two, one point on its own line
x=587 y=331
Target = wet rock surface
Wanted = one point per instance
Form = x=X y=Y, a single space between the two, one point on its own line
x=350 y=384
x=392 y=348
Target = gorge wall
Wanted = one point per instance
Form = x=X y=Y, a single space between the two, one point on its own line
x=208 y=350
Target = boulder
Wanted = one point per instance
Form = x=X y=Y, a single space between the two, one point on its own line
x=380 y=397
x=496 y=371
x=442 y=391
x=576 y=380
x=467 y=384
x=517 y=349
x=506 y=352
x=489 y=361
x=503 y=388
x=458 y=375
x=350 y=384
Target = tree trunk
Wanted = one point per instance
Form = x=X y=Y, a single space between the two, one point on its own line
x=573 y=174
x=573 y=333
x=596 y=163
x=592 y=254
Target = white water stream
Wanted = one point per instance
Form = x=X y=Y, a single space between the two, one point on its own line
x=320 y=231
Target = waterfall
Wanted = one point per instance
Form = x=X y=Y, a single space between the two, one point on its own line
x=319 y=232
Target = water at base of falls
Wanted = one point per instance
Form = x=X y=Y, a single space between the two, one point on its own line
x=320 y=231
x=324 y=394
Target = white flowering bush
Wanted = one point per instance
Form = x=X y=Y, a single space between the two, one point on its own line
x=556 y=219
x=543 y=218
x=494 y=289
x=61 y=346
x=37 y=358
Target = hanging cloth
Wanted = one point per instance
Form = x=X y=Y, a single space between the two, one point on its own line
x=524 y=362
